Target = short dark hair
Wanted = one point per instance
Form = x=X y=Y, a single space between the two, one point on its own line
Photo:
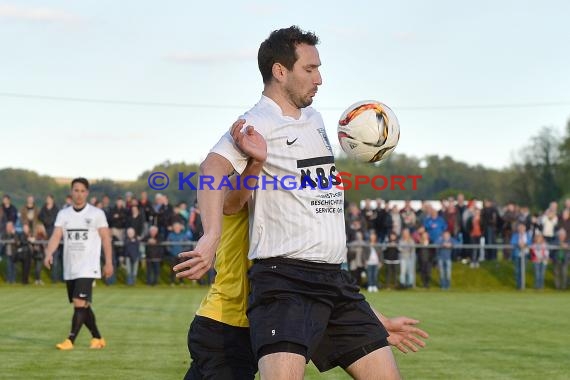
x=279 y=47
x=81 y=180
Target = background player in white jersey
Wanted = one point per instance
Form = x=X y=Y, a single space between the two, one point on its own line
x=301 y=304
x=84 y=229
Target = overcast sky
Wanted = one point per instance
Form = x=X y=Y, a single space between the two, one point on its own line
x=107 y=88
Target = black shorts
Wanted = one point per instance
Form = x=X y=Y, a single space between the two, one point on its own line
x=219 y=351
x=81 y=288
x=314 y=306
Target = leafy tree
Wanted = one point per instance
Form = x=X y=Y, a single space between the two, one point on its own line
x=177 y=190
x=536 y=178
x=20 y=183
x=564 y=172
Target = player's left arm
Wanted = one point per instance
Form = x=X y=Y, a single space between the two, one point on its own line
x=106 y=241
x=404 y=335
x=253 y=144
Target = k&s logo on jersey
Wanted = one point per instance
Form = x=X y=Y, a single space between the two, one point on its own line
x=77 y=235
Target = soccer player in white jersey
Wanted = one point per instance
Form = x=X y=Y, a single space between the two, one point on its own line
x=302 y=305
x=218 y=338
x=84 y=229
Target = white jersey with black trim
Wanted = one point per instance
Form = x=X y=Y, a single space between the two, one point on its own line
x=297 y=211
x=82 y=243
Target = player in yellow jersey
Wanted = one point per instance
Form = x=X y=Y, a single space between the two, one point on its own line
x=218 y=338
x=226 y=301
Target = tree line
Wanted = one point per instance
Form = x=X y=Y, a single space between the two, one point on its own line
x=540 y=173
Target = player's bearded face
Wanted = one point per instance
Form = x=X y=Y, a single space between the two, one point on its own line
x=300 y=98
x=303 y=80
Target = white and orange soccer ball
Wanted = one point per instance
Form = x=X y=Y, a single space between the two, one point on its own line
x=368 y=131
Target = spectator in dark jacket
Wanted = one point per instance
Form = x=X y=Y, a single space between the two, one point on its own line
x=9 y=212
x=408 y=216
x=510 y=216
x=164 y=215
x=106 y=207
x=135 y=220
x=47 y=216
x=490 y=221
x=48 y=213
x=425 y=257
x=38 y=254
x=564 y=221
x=369 y=214
x=146 y=209
x=383 y=222
x=117 y=224
x=24 y=251
x=195 y=222
x=154 y=253
x=392 y=261
x=118 y=220
x=132 y=255
x=9 y=252
x=560 y=259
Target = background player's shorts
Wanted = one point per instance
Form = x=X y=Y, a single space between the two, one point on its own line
x=81 y=288
x=219 y=351
x=314 y=306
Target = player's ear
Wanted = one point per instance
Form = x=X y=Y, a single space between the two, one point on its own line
x=278 y=71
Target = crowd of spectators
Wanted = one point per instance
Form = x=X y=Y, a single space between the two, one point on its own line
x=144 y=233
x=389 y=240
x=409 y=240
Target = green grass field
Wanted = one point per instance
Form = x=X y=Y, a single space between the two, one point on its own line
x=474 y=335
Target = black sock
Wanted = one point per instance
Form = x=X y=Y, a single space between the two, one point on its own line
x=78 y=319
x=91 y=324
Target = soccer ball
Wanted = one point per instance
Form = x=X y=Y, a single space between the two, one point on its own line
x=368 y=131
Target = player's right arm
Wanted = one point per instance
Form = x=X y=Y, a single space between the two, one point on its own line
x=52 y=246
